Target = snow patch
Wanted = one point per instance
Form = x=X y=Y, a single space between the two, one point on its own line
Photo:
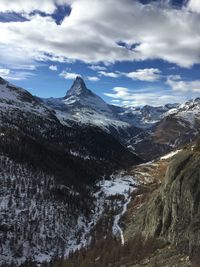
x=171 y=154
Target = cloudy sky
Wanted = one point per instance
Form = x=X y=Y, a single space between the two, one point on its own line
x=130 y=52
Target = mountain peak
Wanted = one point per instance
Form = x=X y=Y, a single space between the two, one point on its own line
x=78 y=88
x=79 y=83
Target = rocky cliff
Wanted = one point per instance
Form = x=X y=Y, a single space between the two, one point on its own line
x=173 y=211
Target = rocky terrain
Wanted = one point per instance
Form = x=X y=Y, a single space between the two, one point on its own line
x=173 y=212
x=156 y=187
x=72 y=175
x=168 y=209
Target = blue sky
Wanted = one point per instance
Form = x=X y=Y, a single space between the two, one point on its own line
x=129 y=52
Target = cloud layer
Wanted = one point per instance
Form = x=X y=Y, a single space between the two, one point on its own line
x=93 y=31
x=127 y=97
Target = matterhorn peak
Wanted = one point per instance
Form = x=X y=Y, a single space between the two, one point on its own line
x=78 y=88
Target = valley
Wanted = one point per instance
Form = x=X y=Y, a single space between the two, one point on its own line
x=77 y=173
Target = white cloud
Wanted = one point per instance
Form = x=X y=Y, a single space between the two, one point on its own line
x=120 y=93
x=69 y=75
x=158 y=97
x=110 y=74
x=93 y=78
x=19 y=75
x=97 y=68
x=149 y=75
x=194 y=5
x=19 y=58
x=53 y=67
x=88 y=33
x=177 y=84
x=15 y=75
x=21 y=6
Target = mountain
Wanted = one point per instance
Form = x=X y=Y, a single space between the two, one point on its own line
x=148 y=131
x=48 y=172
x=15 y=98
x=160 y=226
x=24 y=114
x=82 y=107
x=179 y=126
x=143 y=117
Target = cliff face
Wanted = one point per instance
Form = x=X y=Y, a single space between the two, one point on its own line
x=173 y=212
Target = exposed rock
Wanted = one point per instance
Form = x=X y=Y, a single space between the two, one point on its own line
x=173 y=212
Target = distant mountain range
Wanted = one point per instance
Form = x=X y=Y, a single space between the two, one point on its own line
x=82 y=106
x=148 y=131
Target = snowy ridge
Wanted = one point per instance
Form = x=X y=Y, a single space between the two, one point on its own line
x=143 y=117
x=171 y=154
x=12 y=97
x=188 y=113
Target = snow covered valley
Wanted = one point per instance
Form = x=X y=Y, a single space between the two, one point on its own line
x=38 y=226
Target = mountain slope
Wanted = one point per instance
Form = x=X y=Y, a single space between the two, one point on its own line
x=38 y=215
x=172 y=211
x=48 y=171
x=178 y=127
x=25 y=120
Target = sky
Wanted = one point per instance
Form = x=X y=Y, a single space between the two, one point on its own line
x=130 y=52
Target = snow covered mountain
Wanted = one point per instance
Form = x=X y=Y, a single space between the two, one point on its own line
x=15 y=98
x=82 y=106
x=179 y=126
x=48 y=172
x=24 y=113
x=143 y=117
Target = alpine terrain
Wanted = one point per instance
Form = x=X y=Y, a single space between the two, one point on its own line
x=75 y=181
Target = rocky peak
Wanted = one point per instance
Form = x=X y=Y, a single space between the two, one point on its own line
x=78 y=88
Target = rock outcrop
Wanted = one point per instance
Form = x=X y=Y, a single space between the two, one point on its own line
x=173 y=212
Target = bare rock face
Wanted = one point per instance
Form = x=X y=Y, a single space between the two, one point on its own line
x=173 y=212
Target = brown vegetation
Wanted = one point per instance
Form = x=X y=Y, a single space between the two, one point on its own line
x=109 y=252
